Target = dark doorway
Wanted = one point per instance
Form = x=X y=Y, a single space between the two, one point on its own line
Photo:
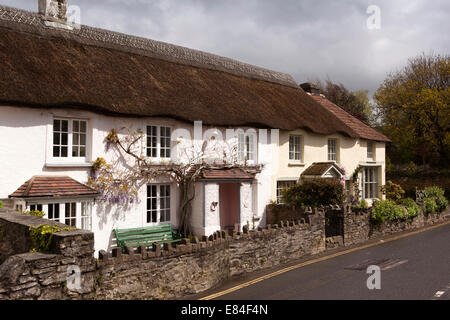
x=229 y=205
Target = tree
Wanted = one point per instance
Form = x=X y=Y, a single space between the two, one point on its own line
x=414 y=110
x=120 y=180
x=356 y=103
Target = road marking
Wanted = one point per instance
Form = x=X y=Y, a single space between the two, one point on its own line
x=393 y=264
x=440 y=293
x=307 y=263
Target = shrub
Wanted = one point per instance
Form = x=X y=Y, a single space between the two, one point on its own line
x=1 y=204
x=315 y=192
x=429 y=205
x=388 y=210
x=411 y=207
x=437 y=194
x=36 y=213
x=393 y=191
x=362 y=205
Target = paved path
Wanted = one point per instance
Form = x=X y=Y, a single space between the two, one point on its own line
x=413 y=267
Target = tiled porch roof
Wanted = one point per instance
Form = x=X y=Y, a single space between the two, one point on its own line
x=227 y=174
x=52 y=187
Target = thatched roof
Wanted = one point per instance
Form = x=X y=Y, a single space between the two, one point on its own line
x=117 y=74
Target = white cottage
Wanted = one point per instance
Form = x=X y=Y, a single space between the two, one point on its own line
x=63 y=88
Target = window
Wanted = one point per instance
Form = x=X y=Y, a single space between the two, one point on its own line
x=79 y=138
x=246 y=147
x=71 y=214
x=295 y=148
x=281 y=185
x=60 y=138
x=53 y=211
x=158 y=203
x=332 y=150
x=19 y=207
x=158 y=142
x=370 y=150
x=86 y=215
x=370 y=186
x=69 y=138
x=34 y=207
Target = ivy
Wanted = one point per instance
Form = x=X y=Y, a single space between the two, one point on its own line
x=42 y=236
x=36 y=213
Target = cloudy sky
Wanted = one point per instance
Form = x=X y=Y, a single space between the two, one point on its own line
x=309 y=39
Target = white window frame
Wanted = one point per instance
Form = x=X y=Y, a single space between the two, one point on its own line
x=247 y=147
x=83 y=211
x=333 y=149
x=159 y=147
x=281 y=185
x=370 y=183
x=159 y=200
x=295 y=148
x=69 y=159
x=370 y=150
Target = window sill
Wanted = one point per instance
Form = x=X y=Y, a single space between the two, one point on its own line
x=68 y=165
x=296 y=164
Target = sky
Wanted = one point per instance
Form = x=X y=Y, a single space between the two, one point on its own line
x=309 y=39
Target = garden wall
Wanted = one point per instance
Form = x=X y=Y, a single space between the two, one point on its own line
x=169 y=272
x=359 y=228
x=25 y=275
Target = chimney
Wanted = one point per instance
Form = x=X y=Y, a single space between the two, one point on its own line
x=310 y=88
x=55 y=13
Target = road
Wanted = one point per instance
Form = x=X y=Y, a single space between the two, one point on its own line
x=413 y=267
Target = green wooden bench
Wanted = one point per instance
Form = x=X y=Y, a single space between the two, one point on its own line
x=146 y=236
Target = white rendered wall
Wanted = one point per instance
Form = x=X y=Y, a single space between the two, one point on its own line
x=25 y=151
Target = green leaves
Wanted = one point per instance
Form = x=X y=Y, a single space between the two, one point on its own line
x=42 y=236
x=315 y=192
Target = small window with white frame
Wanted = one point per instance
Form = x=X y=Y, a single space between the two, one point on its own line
x=370 y=183
x=333 y=149
x=158 y=203
x=53 y=212
x=159 y=142
x=370 y=151
x=69 y=139
x=76 y=214
x=295 y=148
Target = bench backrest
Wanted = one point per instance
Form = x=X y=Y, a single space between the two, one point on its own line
x=146 y=234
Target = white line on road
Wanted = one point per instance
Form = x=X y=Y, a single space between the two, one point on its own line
x=440 y=293
x=393 y=264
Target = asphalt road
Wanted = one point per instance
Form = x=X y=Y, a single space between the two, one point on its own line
x=414 y=267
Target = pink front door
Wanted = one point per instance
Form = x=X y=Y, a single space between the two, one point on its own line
x=229 y=204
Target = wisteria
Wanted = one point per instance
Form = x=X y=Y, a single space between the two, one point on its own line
x=120 y=179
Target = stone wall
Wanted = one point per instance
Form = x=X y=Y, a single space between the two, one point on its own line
x=25 y=275
x=359 y=228
x=170 y=271
x=189 y=268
